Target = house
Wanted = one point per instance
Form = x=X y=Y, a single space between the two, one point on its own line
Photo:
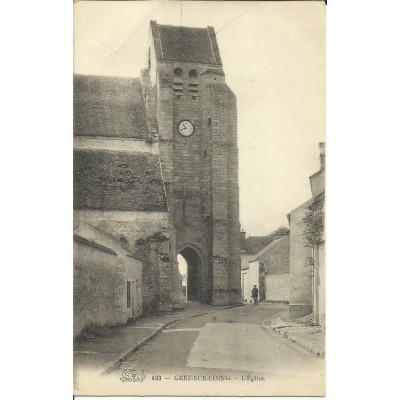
x=307 y=250
x=274 y=263
x=250 y=250
x=269 y=271
x=107 y=280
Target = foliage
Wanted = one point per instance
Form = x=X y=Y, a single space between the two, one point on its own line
x=315 y=224
x=281 y=231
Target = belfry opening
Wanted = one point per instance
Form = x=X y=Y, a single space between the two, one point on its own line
x=190 y=269
x=168 y=183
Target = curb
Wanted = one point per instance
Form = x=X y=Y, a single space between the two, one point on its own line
x=314 y=349
x=293 y=338
x=115 y=364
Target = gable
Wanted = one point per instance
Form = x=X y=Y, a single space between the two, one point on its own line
x=276 y=256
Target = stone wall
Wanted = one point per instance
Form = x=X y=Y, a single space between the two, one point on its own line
x=200 y=172
x=100 y=287
x=147 y=235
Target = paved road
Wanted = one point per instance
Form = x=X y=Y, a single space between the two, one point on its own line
x=228 y=344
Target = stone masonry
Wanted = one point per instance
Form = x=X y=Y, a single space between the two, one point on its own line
x=200 y=172
x=158 y=192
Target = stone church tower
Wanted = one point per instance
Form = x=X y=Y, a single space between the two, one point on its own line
x=191 y=114
x=156 y=168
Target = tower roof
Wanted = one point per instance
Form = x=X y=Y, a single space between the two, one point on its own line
x=181 y=43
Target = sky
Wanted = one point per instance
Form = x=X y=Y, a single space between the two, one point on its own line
x=273 y=56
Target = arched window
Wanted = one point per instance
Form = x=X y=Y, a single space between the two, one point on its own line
x=178 y=71
x=178 y=82
x=193 y=84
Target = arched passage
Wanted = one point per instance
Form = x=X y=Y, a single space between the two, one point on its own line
x=193 y=273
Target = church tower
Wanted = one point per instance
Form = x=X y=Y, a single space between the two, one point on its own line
x=192 y=115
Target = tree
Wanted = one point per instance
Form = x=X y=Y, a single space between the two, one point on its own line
x=315 y=223
x=281 y=231
x=314 y=232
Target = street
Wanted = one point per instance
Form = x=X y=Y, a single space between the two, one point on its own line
x=228 y=344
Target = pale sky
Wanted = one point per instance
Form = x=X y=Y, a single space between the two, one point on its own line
x=274 y=61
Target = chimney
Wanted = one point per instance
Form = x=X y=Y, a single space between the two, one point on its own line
x=322 y=155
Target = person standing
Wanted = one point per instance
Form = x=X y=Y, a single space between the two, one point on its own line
x=254 y=295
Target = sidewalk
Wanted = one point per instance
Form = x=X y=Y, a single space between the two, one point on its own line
x=116 y=344
x=308 y=336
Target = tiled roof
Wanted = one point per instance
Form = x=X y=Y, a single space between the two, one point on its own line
x=254 y=244
x=109 y=106
x=92 y=236
x=179 y=43
x=117 y=180
x=92 y=243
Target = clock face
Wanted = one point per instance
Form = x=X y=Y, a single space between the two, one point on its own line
x=185 y=128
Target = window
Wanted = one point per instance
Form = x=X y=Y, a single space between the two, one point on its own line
x=178 y=83
x=178 y=71
x=123 y=239
x=205 y=153
x=209 y=122
x=193 y=83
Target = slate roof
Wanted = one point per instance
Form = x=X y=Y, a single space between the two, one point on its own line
x=117 y=180
x=180 y=43
x=109 y=106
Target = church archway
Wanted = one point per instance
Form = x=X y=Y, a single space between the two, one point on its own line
x=193 y=273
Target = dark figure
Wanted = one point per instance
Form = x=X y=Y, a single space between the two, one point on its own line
x=254 y=295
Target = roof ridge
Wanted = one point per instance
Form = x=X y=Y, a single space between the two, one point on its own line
x=107 y=76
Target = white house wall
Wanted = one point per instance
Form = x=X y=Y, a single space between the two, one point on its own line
x=277 y=287
x=252 y=279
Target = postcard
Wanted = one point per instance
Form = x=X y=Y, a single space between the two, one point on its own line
x=199 y=198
